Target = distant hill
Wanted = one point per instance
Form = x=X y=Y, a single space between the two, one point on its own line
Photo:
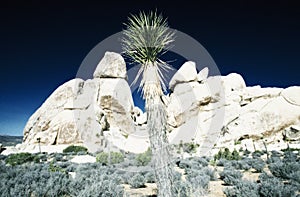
x=7 y=140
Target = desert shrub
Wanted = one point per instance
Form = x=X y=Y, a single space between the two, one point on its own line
x=185 y=164
x=115 y=157
x=40 y=157
x=284 y=170
x=137 y=181
x=295 y=176
x=125 y=178
x=150 y=177
x=257 y=154
x=190 y=147
x=272 y=186
x=75 y=149
x=230 y=176
x=196 y=163
x=182 y=189
x=258 y=164
x=226 y=154
x=96 y=180
x=246 y=153
x=289 y=156
x=201 y=161
x=38 y=180
x=144 y=158
x=55 y=168
x=243 y=188
x=222 y=162
x=102 y=158
x=177 y=176
x=275 y=157
x=199 y=181
x=58 y=157
x=33 y=180
x=239 y=165
x=235 y=155
x=19 y=158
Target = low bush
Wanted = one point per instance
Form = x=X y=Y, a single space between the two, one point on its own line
x=222 y=162
x=257 y=154
x=243 y=188
x=19 y=158
x=190 y=147
x=137 y=181
x=239 y=165
x=40 y=157
x=182 y=188
x=226 y=154
x=144 y=158
x=109 y=158
x=272 y=186
x=150 y=177
x=258 y=164
x=289 y=156
x=284 y=170
x=230 y=176
x=75 y=149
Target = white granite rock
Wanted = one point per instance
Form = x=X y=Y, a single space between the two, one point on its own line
x=186 y=73
x=202 y=75
x=112 y=65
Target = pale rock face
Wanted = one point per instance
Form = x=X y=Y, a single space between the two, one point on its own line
x=112 y=65
x=291 y=95
x=214 y=112
x=186 y=99
x=202 y=75
x=114 y=97
x=186 y=73
x=79 y=111
x=40 y=121
x=233 y=82
x=232 y=112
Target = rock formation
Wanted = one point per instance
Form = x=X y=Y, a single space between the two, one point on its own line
x=80 y=111
x=215 y=112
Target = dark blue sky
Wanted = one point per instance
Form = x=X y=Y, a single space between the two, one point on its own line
x=43 y=43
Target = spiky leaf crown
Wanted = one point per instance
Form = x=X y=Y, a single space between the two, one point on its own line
x=146 y=37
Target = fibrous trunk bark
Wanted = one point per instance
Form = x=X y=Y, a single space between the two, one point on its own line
x=157 y=127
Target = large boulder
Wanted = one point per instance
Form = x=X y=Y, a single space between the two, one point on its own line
x=186 y=73
x=112 y=65
x=114 y=97
x=186 y=100
x=38 y=124
x=78 y=112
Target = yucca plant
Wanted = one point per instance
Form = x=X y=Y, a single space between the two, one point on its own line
x=145 y=39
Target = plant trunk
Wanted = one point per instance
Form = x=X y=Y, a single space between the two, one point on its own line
x=157 y=127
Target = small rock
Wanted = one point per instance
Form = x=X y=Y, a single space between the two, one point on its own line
x=202 y=75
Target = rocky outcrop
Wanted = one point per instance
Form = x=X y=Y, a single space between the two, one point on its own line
x=215 y=112
x=222 y=112
x=186 y=73
x=80 y=111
